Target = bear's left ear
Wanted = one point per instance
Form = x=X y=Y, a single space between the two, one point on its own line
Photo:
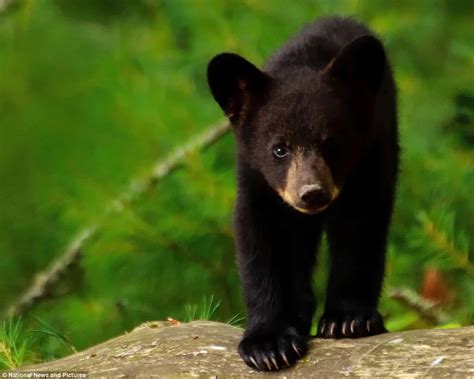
x=234 y=82
x=362 y=61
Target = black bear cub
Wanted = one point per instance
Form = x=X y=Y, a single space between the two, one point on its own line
x=317 y=149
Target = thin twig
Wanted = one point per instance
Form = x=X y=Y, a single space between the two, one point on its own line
x=425 y=308
x=45 y=281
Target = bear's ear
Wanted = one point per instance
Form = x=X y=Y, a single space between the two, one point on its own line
x=234 y=81
x=362 y=61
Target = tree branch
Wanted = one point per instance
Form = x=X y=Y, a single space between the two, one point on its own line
x=45 y=281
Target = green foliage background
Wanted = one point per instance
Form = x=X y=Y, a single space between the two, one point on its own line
x=93 y=92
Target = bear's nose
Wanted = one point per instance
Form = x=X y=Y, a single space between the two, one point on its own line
x=313 y=195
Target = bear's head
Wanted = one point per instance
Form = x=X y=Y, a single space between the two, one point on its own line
x=304 y=129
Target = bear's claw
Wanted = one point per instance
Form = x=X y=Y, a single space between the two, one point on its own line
x=272 y=351
x=350 y=325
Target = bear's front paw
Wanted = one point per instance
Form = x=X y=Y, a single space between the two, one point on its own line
x=272 y=351
x=350 y=324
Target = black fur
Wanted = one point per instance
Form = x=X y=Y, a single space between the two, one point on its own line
x=329 y=96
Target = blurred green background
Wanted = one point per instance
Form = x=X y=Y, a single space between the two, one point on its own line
x=94 y=92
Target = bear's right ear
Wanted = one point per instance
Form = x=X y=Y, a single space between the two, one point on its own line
x=234 y=81
x=361 y=62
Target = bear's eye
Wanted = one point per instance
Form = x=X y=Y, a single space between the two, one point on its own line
x=280 y=151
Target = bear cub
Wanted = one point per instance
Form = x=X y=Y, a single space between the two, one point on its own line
x=317 y=150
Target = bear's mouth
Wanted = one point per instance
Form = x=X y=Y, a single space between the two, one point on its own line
x=310 y=211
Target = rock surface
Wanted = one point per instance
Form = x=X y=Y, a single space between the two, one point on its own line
x=208 y=349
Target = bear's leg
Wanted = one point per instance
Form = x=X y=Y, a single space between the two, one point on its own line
x=357 y=232
x=275 y=264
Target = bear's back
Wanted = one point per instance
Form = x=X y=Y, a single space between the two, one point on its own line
x=315 y=45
